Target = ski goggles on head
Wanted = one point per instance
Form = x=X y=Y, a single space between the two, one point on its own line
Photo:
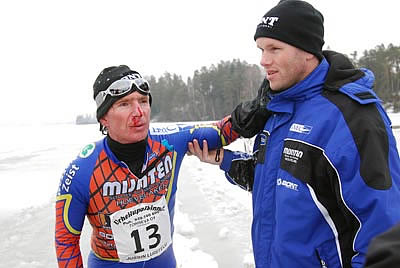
x=123 y=86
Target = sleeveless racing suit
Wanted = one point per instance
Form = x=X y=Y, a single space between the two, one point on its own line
x=131 y=216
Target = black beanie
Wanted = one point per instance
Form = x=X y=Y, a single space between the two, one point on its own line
x=296 y=23
x=108 y=76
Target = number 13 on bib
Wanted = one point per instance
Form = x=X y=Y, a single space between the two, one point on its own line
x=141 y=232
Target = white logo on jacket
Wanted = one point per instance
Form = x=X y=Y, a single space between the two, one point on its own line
x=287 y=184
x=159 y=129
x=303 y=129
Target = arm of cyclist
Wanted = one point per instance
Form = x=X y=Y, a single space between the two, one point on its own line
x=70 y=212
x=217 y=134
x=66 y=239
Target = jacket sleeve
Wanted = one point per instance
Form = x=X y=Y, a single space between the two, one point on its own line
x=217 y=134
x=70 y=209
x=239 y=169
x=368 y=172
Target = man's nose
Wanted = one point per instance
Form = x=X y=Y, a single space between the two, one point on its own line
x=265 y=60
x=137 y=110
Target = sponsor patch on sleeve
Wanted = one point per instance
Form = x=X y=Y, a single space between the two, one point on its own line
x=161 y=129
x=87 y=150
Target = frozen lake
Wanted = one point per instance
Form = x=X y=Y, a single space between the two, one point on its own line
x=212 y=223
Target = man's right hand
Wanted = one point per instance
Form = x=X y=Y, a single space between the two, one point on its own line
x=204 y=154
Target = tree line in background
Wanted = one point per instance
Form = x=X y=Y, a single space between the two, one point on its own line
x=215 y=91
x=210 y=94
x=384 y=62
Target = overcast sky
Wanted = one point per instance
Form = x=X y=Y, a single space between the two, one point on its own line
x=51 y=51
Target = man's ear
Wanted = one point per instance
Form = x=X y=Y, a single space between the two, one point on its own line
x=309 y=56
x=312 y=59
x=104 y=121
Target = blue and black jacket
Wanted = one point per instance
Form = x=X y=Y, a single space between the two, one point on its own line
x=326 y=171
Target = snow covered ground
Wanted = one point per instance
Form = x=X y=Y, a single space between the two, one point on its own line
x=212 y=222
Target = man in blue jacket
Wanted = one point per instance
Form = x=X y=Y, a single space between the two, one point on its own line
x=325 y=170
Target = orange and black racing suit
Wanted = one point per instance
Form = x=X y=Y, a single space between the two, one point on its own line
x=131 y=216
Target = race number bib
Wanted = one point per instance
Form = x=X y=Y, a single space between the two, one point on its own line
x=141 y=232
